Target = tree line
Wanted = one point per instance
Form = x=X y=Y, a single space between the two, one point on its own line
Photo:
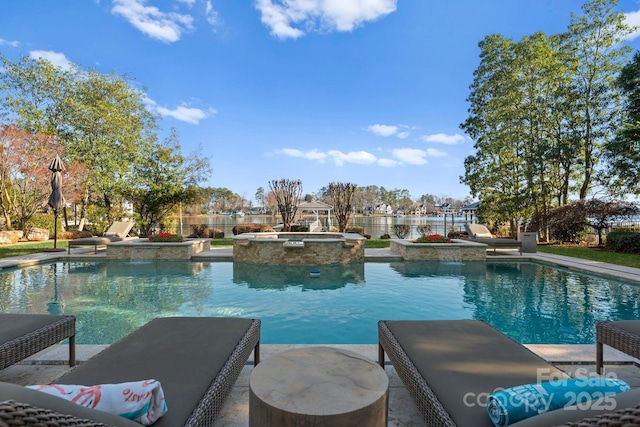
x=555 y=119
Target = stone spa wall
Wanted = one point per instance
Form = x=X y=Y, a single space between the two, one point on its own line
x=298 y=248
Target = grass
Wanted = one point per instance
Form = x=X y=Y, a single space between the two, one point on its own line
x=221 y=243
x=27 y=248
x=592 y=254
x=377 y=243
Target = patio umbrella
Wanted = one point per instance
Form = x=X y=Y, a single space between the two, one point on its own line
x=56 y=199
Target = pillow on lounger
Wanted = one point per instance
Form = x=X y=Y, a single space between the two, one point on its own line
x=140 y=401
x=513 y=404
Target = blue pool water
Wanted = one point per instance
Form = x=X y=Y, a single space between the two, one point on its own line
x=531 y=302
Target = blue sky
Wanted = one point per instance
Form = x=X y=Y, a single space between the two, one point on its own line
x=364 y=91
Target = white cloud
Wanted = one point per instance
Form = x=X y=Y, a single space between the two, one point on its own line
x=442 y=138
x=56 y=58
x=632 y=19
x=164 y=26
x=389 y=163
x=383 y=130
x=412 y=156
x=311 y=155
x=182 y=113
x=4 y=42
x=358 y=157
x=212 y=15
x=434 y=152
x=189 y=3
x=283 y=16
x=403 y=135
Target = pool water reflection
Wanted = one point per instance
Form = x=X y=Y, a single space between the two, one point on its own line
x=531 y=302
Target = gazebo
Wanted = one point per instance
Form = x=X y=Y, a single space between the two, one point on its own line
x=316 y=207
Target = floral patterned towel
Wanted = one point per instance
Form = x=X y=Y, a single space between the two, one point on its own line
x=140 y=401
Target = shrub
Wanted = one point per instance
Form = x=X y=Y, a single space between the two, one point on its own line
x=401 y=230
x=568 y=223
x=45 y=221
x=73 y=234
x=215 y=233
x=424 y=229
x=203 y=231
x=624 y=241
x=297 y=228
x=385 y=236
x=165 y=237
x=251 y=227
x=458 y=234
x=433 y=238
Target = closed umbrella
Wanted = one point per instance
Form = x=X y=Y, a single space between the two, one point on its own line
x=56 y=199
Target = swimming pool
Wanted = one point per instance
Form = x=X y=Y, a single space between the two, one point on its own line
x=531 y=302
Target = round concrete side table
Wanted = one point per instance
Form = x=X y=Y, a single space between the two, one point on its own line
x=319 y=386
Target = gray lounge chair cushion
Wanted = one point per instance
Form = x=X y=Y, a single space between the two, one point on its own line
x=17 y=325
x=56 y=404
x=463 y=360
x=184 y=353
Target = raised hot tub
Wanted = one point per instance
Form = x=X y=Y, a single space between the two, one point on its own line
x=298 y=248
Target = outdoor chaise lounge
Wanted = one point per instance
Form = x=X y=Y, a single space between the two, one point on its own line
x=118 y=231
x=449 y=368
x=623 y=335
x=196 y=360
x=481 y=234
x=23 y=335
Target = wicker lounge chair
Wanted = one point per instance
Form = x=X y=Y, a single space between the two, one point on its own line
x=116 y=232
x=623 y=335
x=481 y=234
x=446 y=365
x=22 y=335
x=196 y=360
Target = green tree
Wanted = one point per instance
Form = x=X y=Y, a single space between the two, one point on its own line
x=100 y=119
x=221 y=198
x=495 y=174
x=594 y=40
x=539 y=110
x=623 y=151
x=166 y=178
x=260 y=197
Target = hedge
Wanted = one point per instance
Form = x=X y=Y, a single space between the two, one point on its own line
x=623 y=241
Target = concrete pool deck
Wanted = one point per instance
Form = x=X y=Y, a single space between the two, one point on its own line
x=50 y=364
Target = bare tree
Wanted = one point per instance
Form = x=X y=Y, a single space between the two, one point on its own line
x=287 y=194
x=342 y=197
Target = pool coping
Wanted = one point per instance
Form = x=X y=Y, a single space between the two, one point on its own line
x=370 y=255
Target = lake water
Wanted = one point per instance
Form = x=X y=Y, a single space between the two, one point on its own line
x=373 y=225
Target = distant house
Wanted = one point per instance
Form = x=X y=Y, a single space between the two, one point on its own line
x=444 y=209
x=470 y=212
x=421 y=210
x=384 y=209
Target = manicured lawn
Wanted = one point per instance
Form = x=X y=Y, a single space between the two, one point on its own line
x=221 y=243
x=28 y=248
x=377 y=243
x=593 y=254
